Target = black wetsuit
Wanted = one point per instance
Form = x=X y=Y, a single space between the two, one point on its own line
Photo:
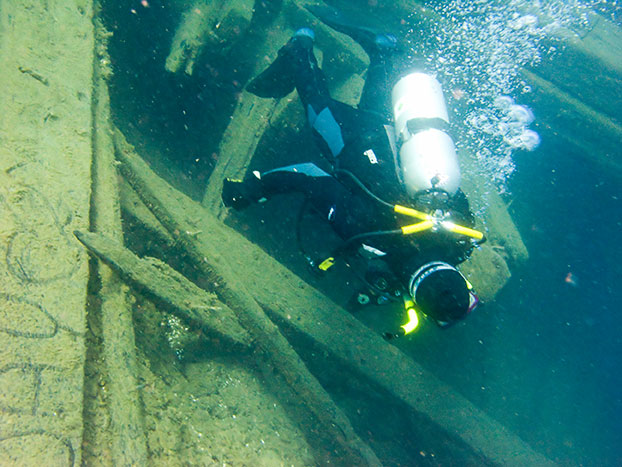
x=358 y=142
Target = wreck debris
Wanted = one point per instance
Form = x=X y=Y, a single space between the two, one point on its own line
x=217 y=23
x=205 y=252
x=168 y=289
x=237 y=146
x=119 y=368
x=44 y=195
x=301 y=310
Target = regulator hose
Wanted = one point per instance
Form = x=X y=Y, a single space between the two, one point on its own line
x=366 y=190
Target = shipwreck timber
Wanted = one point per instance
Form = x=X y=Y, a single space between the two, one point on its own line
x=77 y=382
x=45 y=185
x=360 y=349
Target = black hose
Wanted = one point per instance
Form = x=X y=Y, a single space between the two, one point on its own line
x=301 y=213
x=378 y=233
x=358 y=183
x=347 y=243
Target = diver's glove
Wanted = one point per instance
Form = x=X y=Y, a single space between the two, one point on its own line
x=233 y=194
x=388 y=336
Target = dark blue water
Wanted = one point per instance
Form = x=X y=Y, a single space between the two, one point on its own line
x=568 y=300
x=544 y=358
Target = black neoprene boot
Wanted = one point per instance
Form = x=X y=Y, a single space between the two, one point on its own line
x=279 y=79
x=239 y=194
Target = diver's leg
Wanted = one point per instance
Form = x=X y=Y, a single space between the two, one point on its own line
x=296 y=178
x=306 y=178
x=381 y=47
x=324 y=192
x=376 y=94
x=327 y=124
x=297 y=66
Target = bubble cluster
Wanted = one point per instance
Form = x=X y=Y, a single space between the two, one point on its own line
x=477 y=50
x=502 y=128
x=508 y=122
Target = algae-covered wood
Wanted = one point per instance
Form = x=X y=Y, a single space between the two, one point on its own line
x=144 y=402
x=219 y=24
x=168 y=288
x=45 y=164
x=296 y=305
x=124 y=440
x=210 y=256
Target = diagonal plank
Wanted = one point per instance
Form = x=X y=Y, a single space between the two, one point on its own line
x=209 y=254
x=294 y=303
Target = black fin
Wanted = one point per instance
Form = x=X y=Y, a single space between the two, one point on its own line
x=372 y=40
x=275 y=81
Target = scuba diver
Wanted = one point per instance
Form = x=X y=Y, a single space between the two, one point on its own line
x=392 y=193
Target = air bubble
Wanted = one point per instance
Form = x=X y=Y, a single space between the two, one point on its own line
x=520 y=114
x=482 y=49
x=527 y=21
x=530 y=140
x=503 y=128
x=503 y=102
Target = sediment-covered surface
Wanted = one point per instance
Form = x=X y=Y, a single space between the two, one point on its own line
x=46 y=51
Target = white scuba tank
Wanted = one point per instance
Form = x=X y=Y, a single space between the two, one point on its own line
x=427 y=154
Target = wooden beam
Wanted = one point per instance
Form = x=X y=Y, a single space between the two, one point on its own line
x=251 y=117
x=46 y=58
x=168 y=289
x=207 y=23
x=117 y=363
x=294 y=304
x=208 y=256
